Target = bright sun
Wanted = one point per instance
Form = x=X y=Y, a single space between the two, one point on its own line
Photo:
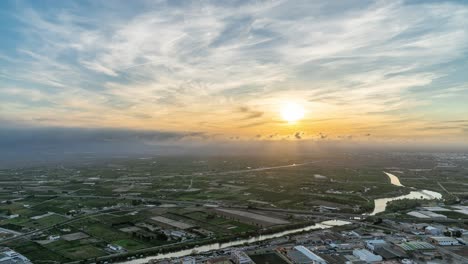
x=292 y=112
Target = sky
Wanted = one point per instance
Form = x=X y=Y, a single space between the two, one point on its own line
x=362 y=71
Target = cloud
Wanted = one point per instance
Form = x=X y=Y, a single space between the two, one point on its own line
x=254 y=124
x=298 y=135
x=20 y=136
x=322 y=136
x=99 y=68
x=249 y=113
x=175 y=66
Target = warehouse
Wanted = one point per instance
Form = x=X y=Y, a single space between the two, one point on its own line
x=444 y=241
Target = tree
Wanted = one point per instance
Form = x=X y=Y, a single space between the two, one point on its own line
x=162 y=237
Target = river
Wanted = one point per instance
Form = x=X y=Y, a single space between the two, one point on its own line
x=394 y=179
x=381 y=204
x=218 y=246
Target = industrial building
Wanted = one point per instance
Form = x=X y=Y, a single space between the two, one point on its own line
x=444 y=241
x=219 y=260
x=241 y=257
x=8 y=256
x=427 y=215
x=375 y=243
x=302 y=255
x=431 y=230
x=415 y=245
x=366 y=255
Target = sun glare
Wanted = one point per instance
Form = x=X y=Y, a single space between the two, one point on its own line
x=292 y=112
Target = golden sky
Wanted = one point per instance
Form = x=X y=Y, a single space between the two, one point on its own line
x=360 y=70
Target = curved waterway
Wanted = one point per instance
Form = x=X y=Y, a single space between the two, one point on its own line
x=394 y=179
x=218 y=246
x=381 y=204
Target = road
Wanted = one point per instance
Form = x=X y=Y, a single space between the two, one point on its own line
x=239 y=171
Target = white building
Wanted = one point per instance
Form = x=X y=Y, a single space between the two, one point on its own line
x=366 y=255
x=114 y=247
x=310 y=255
x=444 y=241
x=13 y=216
x=54 y=237
x=240 y=257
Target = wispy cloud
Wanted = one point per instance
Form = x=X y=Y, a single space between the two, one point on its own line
x=175 y=66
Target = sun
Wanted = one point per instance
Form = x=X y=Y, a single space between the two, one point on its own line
x=292 y=112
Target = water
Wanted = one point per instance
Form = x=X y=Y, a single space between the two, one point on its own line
x=218 y=246
x=394 y=179
x=381 y=204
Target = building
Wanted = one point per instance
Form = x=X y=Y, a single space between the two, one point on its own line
x=298 y=258
x=241 y=257
x=444 y=241
x=53 y=237
x=310 y=255
x=188 y=260
x=434 y=231
x=418 y=215
x=415 y=246
x=178 y=234
x=12 y=216
x=434 y=215
x=114 y=247
x=219 y=260
x=302 y=255
x=388 y=253
x=375 y=243
x=366 y=255
x=427 y=215
x=343 y=246
x=8 y=256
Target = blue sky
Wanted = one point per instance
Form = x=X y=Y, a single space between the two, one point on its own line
x=389 y=70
